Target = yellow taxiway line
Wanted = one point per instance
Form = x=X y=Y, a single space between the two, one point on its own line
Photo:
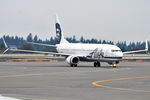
x=96 y=83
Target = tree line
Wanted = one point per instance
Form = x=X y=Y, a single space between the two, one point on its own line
x=21 y=43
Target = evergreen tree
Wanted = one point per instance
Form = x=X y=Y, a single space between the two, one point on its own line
x=82 y=39
x=29 y=38
x=35 y=39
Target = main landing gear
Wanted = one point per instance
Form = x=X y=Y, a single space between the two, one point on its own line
x=97 y=64
x=73 y=65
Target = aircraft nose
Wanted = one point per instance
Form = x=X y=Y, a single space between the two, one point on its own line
x=120 y=54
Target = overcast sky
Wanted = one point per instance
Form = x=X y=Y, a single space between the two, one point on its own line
x=116 y=20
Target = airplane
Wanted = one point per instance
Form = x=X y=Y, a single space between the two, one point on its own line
x=76 y=52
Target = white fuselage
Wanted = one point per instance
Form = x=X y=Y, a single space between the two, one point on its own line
x=80 y=49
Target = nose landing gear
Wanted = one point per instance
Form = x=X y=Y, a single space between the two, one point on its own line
x=114 y=65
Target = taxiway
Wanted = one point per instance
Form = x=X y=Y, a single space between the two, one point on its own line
x=57 y=81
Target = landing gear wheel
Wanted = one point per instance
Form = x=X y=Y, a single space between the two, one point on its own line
x=114 y=65
x=73 y=65
x=97 y=64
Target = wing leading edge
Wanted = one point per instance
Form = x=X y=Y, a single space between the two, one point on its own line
x=42 y=44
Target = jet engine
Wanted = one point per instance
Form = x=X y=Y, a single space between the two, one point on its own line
x=73 y=60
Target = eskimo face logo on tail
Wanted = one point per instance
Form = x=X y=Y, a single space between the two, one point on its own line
x=58 y=32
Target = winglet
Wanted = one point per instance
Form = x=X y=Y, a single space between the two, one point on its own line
x=6 y=46
x=146 y=47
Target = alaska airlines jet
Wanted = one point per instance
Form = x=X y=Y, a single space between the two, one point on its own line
x=76 y=52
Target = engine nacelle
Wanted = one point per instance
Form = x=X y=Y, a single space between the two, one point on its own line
x=72 y=60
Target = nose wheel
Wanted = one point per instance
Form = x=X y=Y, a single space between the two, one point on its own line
x=97 y=64
x=114 y=65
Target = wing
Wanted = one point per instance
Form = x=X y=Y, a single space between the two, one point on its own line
x=42 y=44
x=145 y=50
x=41 y=52
x=129 y=52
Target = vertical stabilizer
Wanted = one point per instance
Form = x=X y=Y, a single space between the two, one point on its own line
x=59 y=33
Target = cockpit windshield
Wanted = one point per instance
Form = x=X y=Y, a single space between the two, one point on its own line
x=116 y=50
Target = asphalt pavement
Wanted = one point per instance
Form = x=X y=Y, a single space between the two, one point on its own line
x=57 y=81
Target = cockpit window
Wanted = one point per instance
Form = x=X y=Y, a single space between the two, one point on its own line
x=116 y=50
